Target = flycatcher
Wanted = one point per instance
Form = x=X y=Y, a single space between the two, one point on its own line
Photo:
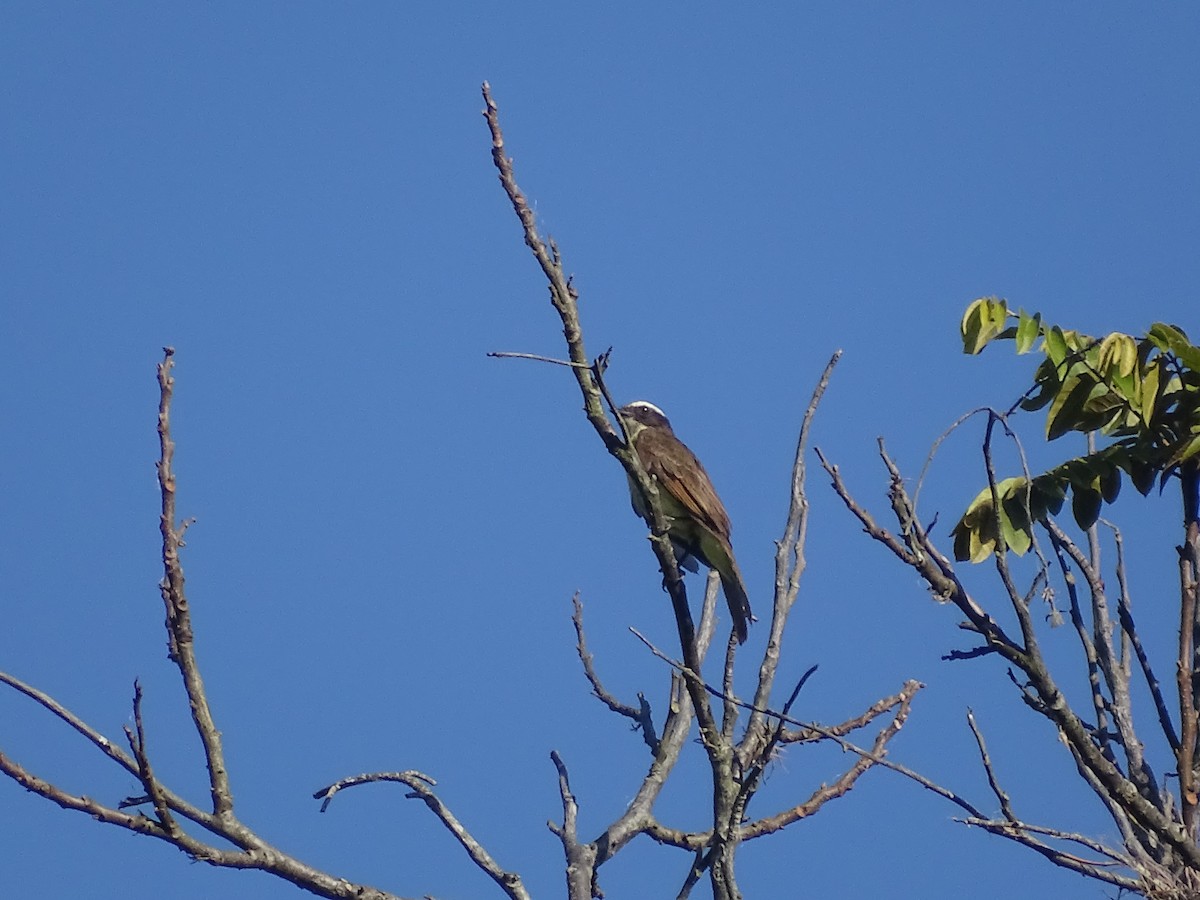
x=699 y=526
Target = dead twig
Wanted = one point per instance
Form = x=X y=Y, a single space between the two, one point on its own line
x=421 y=788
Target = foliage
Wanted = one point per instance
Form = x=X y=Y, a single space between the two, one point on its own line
x=1136 y=399
x=1143 y=392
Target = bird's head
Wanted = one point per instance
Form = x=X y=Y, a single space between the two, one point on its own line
x=645 y=415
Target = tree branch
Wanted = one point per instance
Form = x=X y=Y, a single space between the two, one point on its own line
x=181 y=647
x=790 y=564
x=421 y=786
x=1137 y=805
x=641 y=716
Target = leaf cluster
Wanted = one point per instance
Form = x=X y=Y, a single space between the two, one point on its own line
x=1143 y=392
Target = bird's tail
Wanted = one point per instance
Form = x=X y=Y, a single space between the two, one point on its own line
x=735 y=596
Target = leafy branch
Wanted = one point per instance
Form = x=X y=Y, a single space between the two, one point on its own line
x=1143 y=396
x=1143 y=392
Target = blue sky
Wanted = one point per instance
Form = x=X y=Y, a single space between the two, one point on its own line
x=390 y=525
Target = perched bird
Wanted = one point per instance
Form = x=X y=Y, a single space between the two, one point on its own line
x=699 y=525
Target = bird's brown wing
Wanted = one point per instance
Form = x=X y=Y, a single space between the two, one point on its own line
x=680 y=474
x=678 y=471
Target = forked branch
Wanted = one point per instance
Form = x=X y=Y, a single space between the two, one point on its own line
x=1159 y=856
x=167 y=816
x=737 y=766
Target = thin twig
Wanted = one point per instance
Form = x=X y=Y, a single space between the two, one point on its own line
x=1119 y=792
x=986 y=759
x=757 y=770
x=421 y=788
x=581 y=865
x=505 y=354
x=179 y=623
x=107 y=747
x=862 y=720
x=154 y=789
x=640 y=716
x=910 y=688
x=842 y=785
x=1130 y=632
x=790 y=564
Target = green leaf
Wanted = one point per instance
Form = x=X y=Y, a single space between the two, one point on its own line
x=1125 y=385
x=980 y=527
x=1117 y=355
x=1016 y=539
x=1162 y=479
x=1149 y=393
x=1015 y=527
x=962 y=541
x=1083 y=472
x=1166 y=337
x=1190 y=355
x=1171 y=338
x=1028 y=329
x=1076 y=340
x=983 y=321
x=1047 y=497
x=1065 y=411
x=1110 y=484
x=1142 y=473
x=981 y=547
x=1144 y=392
x=1048 y=383
x=1056 y=346
x=997 y=312
x=975 y=533
x=1017 y=501
x=1187 y=450
x=1102 y=411
x=1085 y=505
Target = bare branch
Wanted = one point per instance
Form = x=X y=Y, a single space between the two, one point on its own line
x=910 y=688
x=562 y=294
x=181 y=647
x=504 y=354
x=1005 y=805
x=1015 y=598
x=841 y=786
x=408 y=777
x=581 y=858
x=1130 y=633
x=1139 y=808
x=790 y=563
x=1022 y=833
x=107 y=747
x=757 y=771
x=697 y=870
x=973 y=653
x=154 y=790
x=640 y=716
x=1188 y=719
x=255 y=853
x=874 y=711
x=421 y=788
x=717 y=746
x=1058 y=541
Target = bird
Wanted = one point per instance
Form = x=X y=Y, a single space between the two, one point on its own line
x=699 y=526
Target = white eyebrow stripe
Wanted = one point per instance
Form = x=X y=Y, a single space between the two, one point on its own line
x=646 y=404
